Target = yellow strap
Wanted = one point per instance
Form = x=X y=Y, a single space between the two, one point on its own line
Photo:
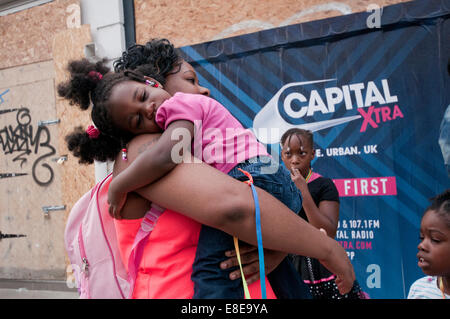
x=244 y=282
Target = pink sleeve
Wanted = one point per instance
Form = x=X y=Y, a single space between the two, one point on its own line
x=181 y=106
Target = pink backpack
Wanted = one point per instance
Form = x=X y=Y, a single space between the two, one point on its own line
x=92 y=247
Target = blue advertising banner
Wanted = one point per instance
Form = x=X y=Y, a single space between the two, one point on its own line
x=374 y=96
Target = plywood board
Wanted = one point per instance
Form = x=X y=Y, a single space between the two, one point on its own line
x=30 y=176
x=76 y=179
x=188 y=22
x=28 y=95
x=27 y=35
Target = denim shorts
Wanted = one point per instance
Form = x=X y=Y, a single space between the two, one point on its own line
x=273 y=177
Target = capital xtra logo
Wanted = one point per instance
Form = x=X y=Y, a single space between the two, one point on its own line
x=288 y=107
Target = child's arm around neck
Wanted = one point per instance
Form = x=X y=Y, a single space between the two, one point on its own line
x=153 y=163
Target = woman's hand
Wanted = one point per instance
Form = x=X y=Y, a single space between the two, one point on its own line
x=250 y=262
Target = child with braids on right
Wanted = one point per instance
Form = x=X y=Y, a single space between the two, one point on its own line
x=434 y=251
x=127 y=104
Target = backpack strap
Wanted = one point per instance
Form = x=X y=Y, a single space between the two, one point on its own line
x=262 y=275
x=147 y=225
x=95 y=188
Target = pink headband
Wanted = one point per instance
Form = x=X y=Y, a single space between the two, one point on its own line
x=95 y=75
x=92 y=131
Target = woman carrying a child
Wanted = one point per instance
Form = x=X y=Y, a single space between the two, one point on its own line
x=197 y=184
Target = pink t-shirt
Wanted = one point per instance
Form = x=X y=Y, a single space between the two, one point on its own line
x=219 y=139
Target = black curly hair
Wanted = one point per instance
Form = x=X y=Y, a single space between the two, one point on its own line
x=92 y=83
x=440 y=204
x=157 y=57
x=297 y=132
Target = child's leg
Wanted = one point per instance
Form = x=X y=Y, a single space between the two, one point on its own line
x=211 y=197
x=212 y=282
x=215 y=199
x=285 y=280
x=209 y=280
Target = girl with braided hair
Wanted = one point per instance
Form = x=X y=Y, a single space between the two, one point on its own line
x=320 y=208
